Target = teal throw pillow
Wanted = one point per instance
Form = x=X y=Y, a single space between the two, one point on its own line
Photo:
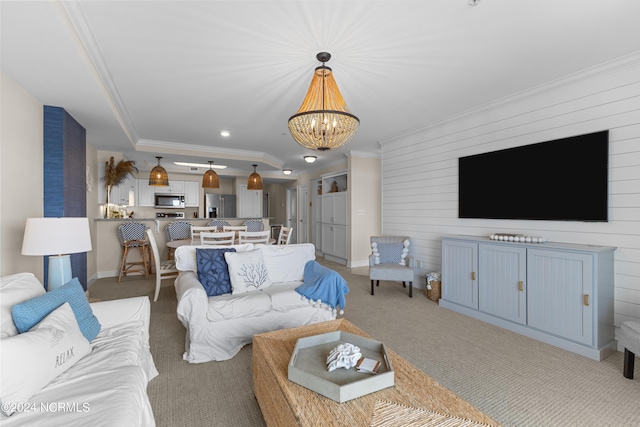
x=213 y=271
x=29 y=313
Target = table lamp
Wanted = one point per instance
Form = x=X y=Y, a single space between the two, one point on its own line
x=56 y=237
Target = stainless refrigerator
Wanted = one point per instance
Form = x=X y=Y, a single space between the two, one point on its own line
x=220 y=205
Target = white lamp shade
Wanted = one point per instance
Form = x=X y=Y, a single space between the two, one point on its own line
x=56 y=236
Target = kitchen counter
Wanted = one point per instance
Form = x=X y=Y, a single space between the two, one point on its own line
x=109 y=251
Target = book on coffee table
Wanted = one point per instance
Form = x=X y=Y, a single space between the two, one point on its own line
x=367 y=366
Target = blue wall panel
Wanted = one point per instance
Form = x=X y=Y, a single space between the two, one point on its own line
x=64 y=175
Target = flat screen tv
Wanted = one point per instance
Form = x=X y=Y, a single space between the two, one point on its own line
x=561 y=180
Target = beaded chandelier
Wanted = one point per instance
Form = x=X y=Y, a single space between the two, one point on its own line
x=323 y=121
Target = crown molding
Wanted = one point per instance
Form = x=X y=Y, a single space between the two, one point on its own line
x=605 y=68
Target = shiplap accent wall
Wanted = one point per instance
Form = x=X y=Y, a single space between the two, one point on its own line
x=420 y=170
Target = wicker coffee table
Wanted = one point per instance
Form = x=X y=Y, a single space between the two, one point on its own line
x=285 y=403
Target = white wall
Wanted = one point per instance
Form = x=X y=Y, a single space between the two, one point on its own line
x=21 y=174
x=420 y=170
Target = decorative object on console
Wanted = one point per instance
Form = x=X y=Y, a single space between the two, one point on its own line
x=517 y=238
x=56 y=237
x=210 y=178
x=158 y=176
x=255 y=180
x=323 y=121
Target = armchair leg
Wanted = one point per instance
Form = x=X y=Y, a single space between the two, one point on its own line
x=377 y=282
x=371 y=287
x=404 y=284
x=629 y=360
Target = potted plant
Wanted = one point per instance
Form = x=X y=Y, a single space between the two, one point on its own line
x=115 y=174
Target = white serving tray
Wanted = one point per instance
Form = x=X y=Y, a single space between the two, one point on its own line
x=308 y=367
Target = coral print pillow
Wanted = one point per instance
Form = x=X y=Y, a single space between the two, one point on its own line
x=247 y=271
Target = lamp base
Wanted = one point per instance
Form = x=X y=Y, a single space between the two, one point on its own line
x=59 y=271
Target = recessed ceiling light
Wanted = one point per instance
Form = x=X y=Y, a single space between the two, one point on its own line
x=287 y=171
x=199 y=165
x=225 y=133
x=310 y=159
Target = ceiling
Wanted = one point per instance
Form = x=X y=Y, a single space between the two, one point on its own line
x=163 y=78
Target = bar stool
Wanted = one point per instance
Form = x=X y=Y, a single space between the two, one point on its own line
x=177 y=230
x=132 y=235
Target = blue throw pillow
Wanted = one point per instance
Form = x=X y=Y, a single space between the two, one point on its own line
x=213 y=271
x=29 y=313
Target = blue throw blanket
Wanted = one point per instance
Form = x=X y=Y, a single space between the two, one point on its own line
x=322 y=283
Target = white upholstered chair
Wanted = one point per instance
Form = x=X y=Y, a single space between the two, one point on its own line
x=390 y=260
x=164 y=269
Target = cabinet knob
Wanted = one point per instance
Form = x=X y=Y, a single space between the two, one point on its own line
x=520 y=286
x=585 y=300
x=473 y=275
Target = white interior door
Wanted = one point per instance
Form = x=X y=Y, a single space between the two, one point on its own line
x=292 y=213
x=303 y=215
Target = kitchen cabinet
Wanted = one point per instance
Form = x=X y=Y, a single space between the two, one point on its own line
x=561 y=294
x=175 y=187
x=146 y=193
x=333 y=214
x=191 y=194
x=334 y=241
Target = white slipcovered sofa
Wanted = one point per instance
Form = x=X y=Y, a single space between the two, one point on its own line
x=107 y=381
x=219 y=326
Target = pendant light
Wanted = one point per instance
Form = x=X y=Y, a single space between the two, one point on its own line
x=210 y=178
x=255 y=180
x=323 y=121
x=158 y=176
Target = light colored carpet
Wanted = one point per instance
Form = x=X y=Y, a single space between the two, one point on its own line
x=515 y=380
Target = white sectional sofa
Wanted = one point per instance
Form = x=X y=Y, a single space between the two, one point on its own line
x=106 y=386
x=219 y=326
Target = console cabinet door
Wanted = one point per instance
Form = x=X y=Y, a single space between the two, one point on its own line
x=502 y=282
x=459 y=273
x=560 y=295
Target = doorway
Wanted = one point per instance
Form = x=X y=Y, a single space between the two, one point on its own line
x=292 y=213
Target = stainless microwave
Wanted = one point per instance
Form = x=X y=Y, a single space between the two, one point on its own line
x=165 y=201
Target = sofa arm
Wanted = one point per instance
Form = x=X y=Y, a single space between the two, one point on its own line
x=119 y=311
x=193 y=301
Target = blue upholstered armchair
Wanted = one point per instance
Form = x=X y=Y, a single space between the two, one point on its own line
x=390 y=260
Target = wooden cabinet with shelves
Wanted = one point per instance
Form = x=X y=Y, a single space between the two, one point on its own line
x=561 y=294
x=333 y=214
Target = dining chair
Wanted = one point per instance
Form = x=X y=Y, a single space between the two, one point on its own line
x=217 y=223
x=222 y=238
x=164 y=269
x=176 y=230
x=235 y=228
x=132 y=236
x=254 y=237
x=254 y=225
x=195 y=232
x=285 y=235
x=390 y=260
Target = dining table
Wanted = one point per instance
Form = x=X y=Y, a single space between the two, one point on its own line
x=174 y=244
